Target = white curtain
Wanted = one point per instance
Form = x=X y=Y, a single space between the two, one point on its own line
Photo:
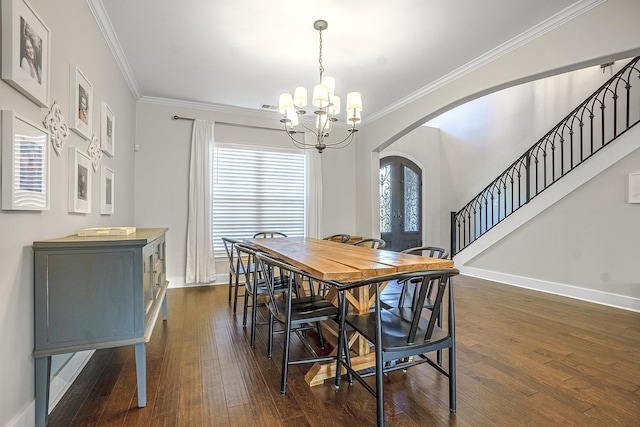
x=314 y=186
x=200 y=260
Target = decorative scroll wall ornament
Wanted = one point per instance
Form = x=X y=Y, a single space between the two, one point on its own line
x=95 y=152
x=57 y=127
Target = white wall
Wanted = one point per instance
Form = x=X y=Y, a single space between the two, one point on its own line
x=162 y=171
x=466 y=168
x=423 y=147
x=586 y=240
x=75 y=39
x=484 y=137
x=605 y=32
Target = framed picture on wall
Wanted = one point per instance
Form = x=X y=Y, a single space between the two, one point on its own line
x=25 y=164
x=79 y=181
x=26 y=46
x=107 y=130
x=81 y=97
x=106 y=191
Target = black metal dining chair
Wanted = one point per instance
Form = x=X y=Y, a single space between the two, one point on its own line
x=255 y=285
x=342 y=238
x=401 y=336
x=235 y=271
x=268 y=234
x=392 y=297
x=397 y=296
x=295 y=313
x=371 y=243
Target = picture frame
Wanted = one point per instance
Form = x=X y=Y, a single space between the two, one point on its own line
x=81 y=96
x=107 y=191
x=25 y=164
x=80 y=175
x=26 y=49
x=107 y=130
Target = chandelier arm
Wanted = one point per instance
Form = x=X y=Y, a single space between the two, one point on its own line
x=308 y=128
x=333 y=146
x=299 y=144
x=349 y=137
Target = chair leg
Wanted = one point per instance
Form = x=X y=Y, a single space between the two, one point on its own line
x=379 y=363
x=244 y=311
x=285 y=358
x=341 y=342
x=235 y=294
x=254 y=317
x=379 y=387
x=230 y=286
x=270 y=339
x=439 y=352
x=320 y=337
x=452 y=378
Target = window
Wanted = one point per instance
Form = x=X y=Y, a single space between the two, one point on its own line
x=256 y=189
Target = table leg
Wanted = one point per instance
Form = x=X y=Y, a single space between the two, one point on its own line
x=141 y=374
x=43 y=378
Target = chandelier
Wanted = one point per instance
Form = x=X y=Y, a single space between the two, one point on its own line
x=327 y=108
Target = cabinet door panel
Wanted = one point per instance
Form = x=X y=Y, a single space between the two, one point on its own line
x=90 y=297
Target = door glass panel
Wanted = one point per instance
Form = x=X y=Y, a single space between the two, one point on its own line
x=411 y=199
x=385 y=199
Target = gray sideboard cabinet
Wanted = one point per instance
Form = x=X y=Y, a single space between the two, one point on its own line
x=96 y=292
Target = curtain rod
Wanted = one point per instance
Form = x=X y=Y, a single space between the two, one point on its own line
x=176 y=117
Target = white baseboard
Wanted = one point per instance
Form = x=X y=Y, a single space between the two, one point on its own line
x=59 y=385
x=61 y=382
x=178 y=282
x=590 y=295
x=26 y=417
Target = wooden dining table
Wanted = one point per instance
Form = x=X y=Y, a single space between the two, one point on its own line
x=329 y=261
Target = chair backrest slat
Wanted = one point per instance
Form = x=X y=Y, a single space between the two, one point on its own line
x=268 y=234
x=432 y=251
x=342 y=238
x=371 y=243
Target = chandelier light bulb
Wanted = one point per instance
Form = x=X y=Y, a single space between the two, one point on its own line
x=354 y=101
x=330 y=83
x=334 y=105
x=320 y=96
x=300 y=97
x=286 y=103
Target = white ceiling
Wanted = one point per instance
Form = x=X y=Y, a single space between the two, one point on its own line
x=244 y=53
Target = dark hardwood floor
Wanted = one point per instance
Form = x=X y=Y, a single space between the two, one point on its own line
x=524 y=359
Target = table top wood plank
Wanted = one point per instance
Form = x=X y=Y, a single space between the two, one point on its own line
x=342 y=262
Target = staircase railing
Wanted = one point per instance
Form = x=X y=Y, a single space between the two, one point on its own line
x=600 y=119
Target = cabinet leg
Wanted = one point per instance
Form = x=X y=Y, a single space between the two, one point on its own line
x=141 y=374
x=43 y=377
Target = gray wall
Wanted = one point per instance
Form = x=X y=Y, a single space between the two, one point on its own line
x=466 y=168
x=151 y=186
x=75 y=39
x=162 y=172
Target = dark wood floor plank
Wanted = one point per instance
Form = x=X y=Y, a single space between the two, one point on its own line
x=524 y=359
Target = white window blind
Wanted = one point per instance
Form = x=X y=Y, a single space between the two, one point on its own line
x=256 y=190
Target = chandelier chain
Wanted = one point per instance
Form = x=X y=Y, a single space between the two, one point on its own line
x=320 y=56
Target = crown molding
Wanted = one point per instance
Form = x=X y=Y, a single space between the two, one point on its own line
x=220 y=108
x=533 y=33
x=571 y=12
x=102 y=19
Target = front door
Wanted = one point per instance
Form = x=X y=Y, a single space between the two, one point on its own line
x=400 y=203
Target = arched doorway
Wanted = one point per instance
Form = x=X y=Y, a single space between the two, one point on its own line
x=400 y=203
